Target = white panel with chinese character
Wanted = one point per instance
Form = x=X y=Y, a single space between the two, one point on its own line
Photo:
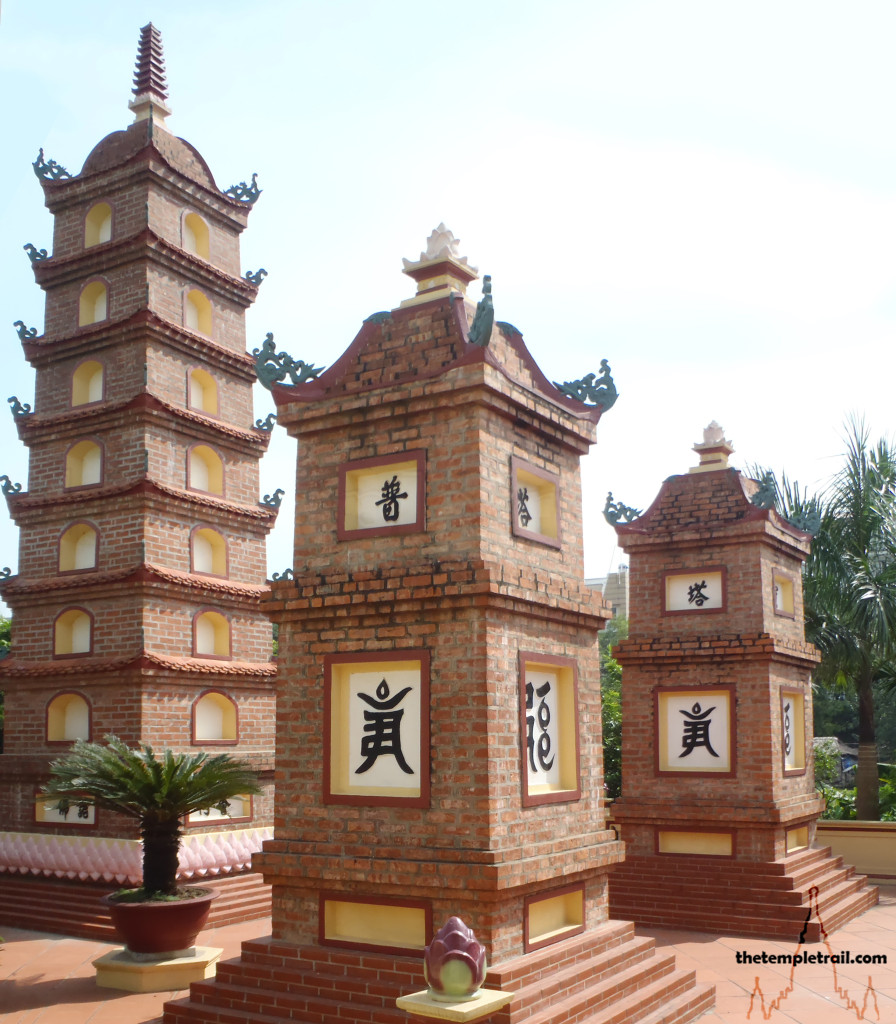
x=695 y=731
x=543 y=725
x=237 y=807
x=384 y=728
x=376 y=730
x=694 y=591
x=77 y=813
x=384 y=496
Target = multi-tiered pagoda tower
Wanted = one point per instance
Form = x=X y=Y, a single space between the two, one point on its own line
x=136 y=607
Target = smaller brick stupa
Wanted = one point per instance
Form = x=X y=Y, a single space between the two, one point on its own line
x=718 y=805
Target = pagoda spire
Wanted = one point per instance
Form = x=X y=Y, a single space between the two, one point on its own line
x=150 y=86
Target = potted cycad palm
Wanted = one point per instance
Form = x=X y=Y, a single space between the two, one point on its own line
x=159 y=791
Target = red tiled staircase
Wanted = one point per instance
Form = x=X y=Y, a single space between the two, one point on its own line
x=608 y=976
x=65 y=907
x=738 y=897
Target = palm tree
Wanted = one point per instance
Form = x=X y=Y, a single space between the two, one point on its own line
x=849 y=585
x=158 y=791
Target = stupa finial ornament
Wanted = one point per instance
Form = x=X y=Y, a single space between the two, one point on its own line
x=150 y=85
x=440 y=270
x=714 y=451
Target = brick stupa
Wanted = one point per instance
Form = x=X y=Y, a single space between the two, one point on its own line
x=718 y=804
x=438 y=744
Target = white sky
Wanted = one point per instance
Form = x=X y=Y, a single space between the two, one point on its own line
x=703 y=192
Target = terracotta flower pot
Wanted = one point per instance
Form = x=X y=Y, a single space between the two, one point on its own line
x=161 y=926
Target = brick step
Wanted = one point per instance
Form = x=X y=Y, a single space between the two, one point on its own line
x=541 y=963
x=627 y=971
x=658 y=887
x=832 y=885
x=256 y=1008
x=683 y=1008
x=615 y=1001
x=849 y=908
x=587 y=975
x=67 y=907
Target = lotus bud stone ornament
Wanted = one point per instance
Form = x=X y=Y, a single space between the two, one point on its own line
x=454 y=963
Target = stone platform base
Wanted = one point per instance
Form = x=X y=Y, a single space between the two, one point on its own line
x=422 y=1004
x=121 y=969
x=604 y=975
x=770 y=900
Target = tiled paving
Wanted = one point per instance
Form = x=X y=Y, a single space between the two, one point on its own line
x=46 y=979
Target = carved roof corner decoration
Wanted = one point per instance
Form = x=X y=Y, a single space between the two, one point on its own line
x=16 y=407
x=599 y=391
x=256 y=276
x=245 y=193
x=5 y=572
x=287 y=574
x=34 y=254
x=507 y=328
x=481 y=328
x=766 y=496
x=614 y=511
x=8 y=487
x=24 y=333
x=267 y=424
x=270 y=500
x=273 y=367
x=48 y=170
x=378 y=318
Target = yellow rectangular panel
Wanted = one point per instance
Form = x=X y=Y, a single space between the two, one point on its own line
x=375 y=924
x=711 y=844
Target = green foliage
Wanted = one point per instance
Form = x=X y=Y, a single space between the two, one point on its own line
x=840 y=804
x=158 y=790
x=849 y=586
x=611 y=699
x=827 y=764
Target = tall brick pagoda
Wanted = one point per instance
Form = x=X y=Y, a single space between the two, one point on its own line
x=718 y=805
x=137 y=605
x=438 y=741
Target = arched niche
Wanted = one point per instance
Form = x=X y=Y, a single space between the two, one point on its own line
x=208 y=552
x=93 y=306
x=87 y=383
x=202 y=391
x=98 y=225
x=211 y=635
x=205 y=470
x=72 y=632
x=198 y=312
x=195 y=235
x=214 y=718
x=83 y=464
x=68 y=718
x=78 y=547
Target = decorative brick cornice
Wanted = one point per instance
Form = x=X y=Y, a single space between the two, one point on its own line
x=145 y=247
x=23 y=502
x=35 y=427
x=88 y=583
x=393 y=591
x=759 y=646
x=44 y=351
x=146 y=661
